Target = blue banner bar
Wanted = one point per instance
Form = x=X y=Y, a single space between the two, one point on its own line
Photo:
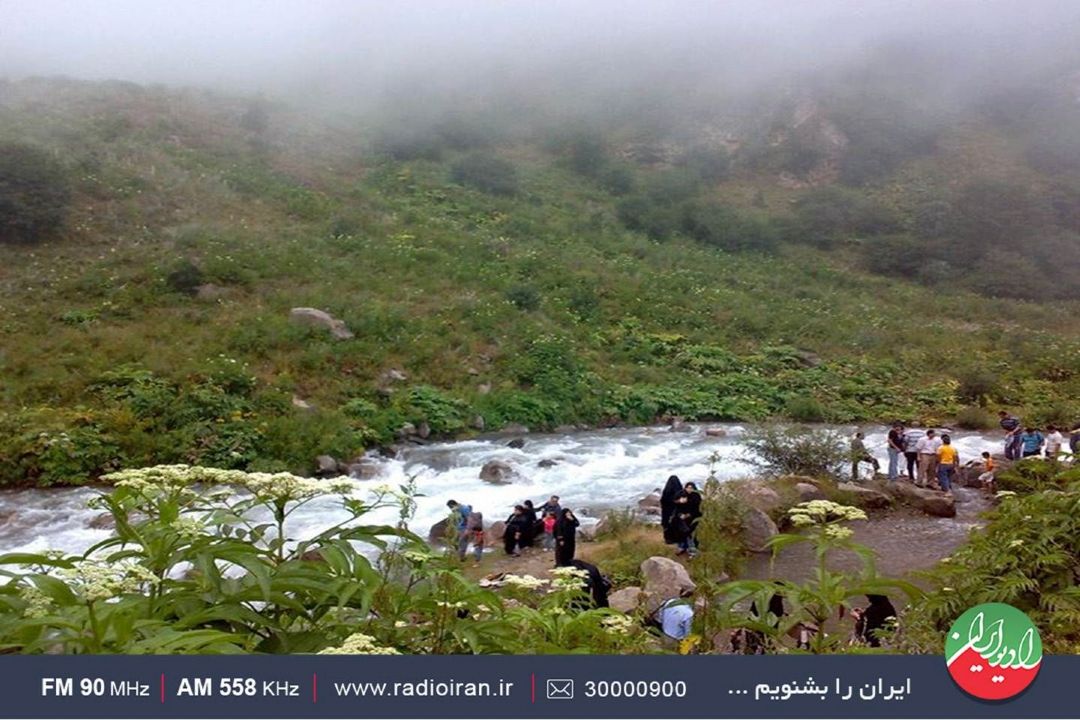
x=519 y=686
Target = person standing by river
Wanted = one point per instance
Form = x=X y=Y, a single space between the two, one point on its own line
x=1054 y=440
x=948 y=461
x=895 y=441
x=911 y=452
x=565 y=538
x=667 y=509
x=470 y=529
x=1031 y=442
x=927 y=449
x=1011 y=425
x=859 y=454
x=687 y=514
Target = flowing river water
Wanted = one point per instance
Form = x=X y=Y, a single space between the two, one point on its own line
x=594 y=470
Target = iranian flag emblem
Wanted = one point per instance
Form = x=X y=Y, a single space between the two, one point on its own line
x=993 y=651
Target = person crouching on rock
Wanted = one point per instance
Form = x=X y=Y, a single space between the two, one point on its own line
x=517 y=527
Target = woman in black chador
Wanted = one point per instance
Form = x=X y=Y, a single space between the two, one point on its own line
x=667 y=508
x=596 y=585
x=872 y=620
x=517 y=528
x=565 y=537
x=530 y=520
x=687 y=514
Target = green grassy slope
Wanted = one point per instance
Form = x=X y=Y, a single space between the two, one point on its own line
x=538 y=307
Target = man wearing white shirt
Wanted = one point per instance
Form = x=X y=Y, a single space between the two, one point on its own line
x=927 y=449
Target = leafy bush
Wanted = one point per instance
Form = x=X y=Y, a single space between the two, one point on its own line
x=524 y=297
x=34 y=194
x=487 y=173
x=185 y=277
x=1035 y=475
x=779 y=450
x=828 y=214
x=975 y=418
x=804 y=408
x=723 y=227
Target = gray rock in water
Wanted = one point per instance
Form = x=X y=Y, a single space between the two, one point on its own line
x=407 y=430
x=493 y=536
x=665 y=579
x=498 y=472
x=516 y=443
x=931 y=502
x=680 y=425
x=319 y=318
x=424 y=431
x=478 y=423
x=515 y=429
x=326 y=466
x=758 y=529
x=626 y=600
x=363 y=470
x=716 y=432
x=547 y=463
x=104 y=521
x=650 y=504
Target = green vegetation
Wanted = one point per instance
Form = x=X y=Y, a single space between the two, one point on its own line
x=591 y=280
x=33 y=194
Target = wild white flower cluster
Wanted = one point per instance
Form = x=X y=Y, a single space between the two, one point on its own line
x=618 y=624
x=187 y=527
x=822 y=512
x=359 y=644
x=277 y=486
x=417 y=557
x=97 y=580
x=838 y=532
x=569 y=578
x=527 y=582
x=38 y=604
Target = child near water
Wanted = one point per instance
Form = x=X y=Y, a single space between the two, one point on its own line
x=549 y=531
x=987 y=476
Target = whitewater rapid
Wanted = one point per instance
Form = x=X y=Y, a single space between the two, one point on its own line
x=594 y=471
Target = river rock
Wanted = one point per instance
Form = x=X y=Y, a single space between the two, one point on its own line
x=678 y=424
x=362 y=469
x=515 y=429
x=326 y=466
x=650 y=504
x=438 y=531
x=757 y=495
x=866 y=497
x=716 y=432
x=424 y=431
x=498 y=472
x=547 y=463
x=478 y=423
x=808 y=492
x=493 y=536
x=407 y=430
x=931 y=502
x=625 y=600
x=758 y=529
x=516 y=443
x=104 y=521
x=319 y=318
x=665 y=578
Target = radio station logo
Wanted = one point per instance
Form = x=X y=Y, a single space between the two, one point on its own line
x=993 y=651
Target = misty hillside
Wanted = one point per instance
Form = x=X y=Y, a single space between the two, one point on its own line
x=826 y=251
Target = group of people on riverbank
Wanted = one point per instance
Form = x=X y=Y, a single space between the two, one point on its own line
x=551 y=525
x=1024 y=441
x=680 y=512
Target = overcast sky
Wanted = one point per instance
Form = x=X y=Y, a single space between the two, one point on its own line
x=332 y=46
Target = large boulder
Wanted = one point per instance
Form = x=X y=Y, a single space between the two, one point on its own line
x=715 y=432
x=808 y=492
x=437 y=533
x=931 y=502
x=493 y=536
x=320 y=319
x=865 y=497
x=650 y=504
x=478 y=423
x=363 y=469
x=498 y=472
x=515 y=429
x=547 y=463
x=757 y=495
x=665 y=578
x=516 y=443
x=104 y=521
x=625 y=600
x=680 y=425
x=758 y=529
x=327 y=466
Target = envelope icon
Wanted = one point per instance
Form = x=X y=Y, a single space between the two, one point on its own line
x=560 y=689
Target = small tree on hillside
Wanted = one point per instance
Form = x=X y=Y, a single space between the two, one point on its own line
x=34 y=194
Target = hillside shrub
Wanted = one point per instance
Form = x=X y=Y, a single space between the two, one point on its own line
x=34 y=194
x=781 y=450
x=487 y=173
x=185 y=277
x=975 y=418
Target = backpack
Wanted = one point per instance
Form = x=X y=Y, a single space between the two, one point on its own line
x=474 y=521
